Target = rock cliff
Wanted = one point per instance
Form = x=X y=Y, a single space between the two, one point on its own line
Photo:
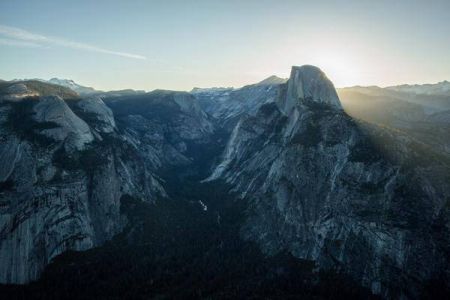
x=66 y=164
x=350 y=196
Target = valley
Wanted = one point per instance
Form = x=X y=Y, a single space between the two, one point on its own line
x=281 y=189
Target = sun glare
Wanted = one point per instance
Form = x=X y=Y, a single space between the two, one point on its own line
x=341 y=70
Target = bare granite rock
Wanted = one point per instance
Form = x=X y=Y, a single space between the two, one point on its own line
x=350 y=196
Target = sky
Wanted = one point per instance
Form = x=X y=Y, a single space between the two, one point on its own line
x=179 y=45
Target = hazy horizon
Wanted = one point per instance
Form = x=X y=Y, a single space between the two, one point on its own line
x=206 y=87
x=147 y=45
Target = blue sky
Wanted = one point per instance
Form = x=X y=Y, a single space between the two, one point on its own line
x=181 y=44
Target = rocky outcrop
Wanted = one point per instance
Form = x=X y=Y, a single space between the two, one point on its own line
x=66 y=125
x=67 y=164
x=52 y=202
x=227 y=105
x=165 y=125
x=100 y=115
x=353 y=197
x=308 y=83
x=44 y=208
x=272 y=80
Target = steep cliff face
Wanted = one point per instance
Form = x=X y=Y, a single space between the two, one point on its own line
x=308 y=83
x=52 y=199
x=350 y=196
x=66 y=164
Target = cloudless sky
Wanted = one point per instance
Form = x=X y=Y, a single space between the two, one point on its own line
x=223 y=43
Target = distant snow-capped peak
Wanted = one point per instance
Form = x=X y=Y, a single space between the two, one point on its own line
x=69 y=83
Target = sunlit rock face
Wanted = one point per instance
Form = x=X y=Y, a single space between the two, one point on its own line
x=350 y=196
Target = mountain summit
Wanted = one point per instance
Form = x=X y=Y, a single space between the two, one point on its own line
x=319 y=186
x=272 y=80
x=308 y=83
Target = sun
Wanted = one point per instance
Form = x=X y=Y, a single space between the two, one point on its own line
x=340 y=69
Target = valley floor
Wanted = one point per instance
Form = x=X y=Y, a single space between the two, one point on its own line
x=177 y=249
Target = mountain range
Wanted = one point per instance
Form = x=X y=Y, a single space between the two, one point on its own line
x=285 y=188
